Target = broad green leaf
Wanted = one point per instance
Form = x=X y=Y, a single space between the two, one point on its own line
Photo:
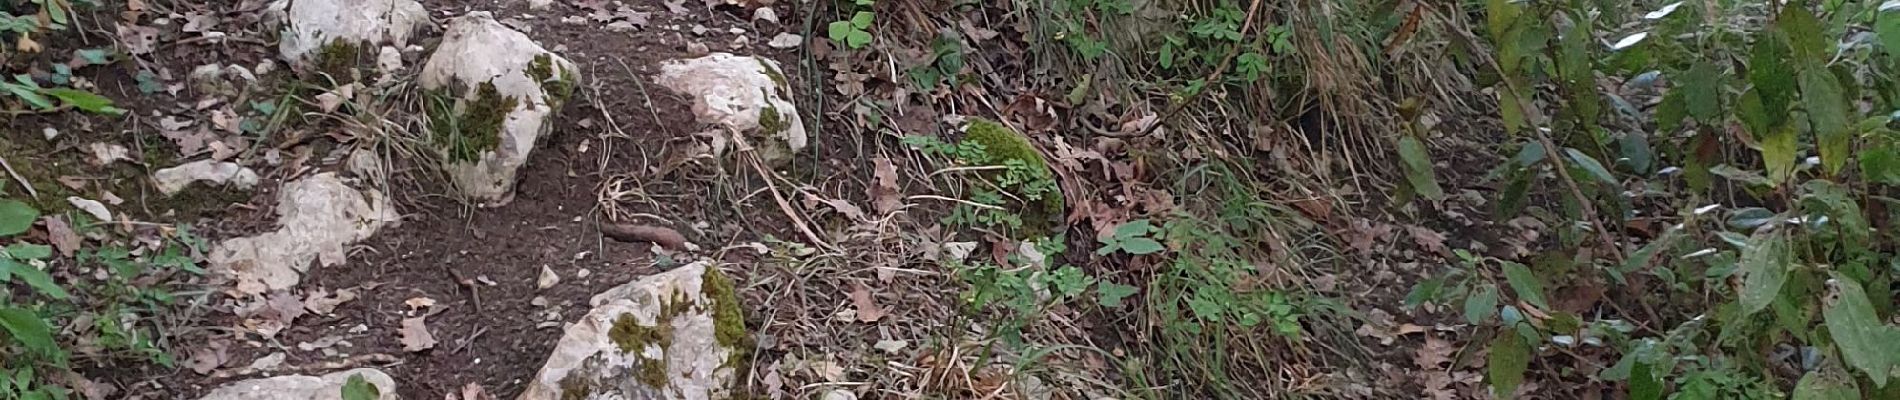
x=1837 y=203
x=84 y=100
x=40 y=281
x=1765 y=263
x=1525 y=284
x=1591 y=165
x=1887 y=27
x=1643 y=383
x=1530 y=154
x=1825 y=384
x=1866 y=342
x=1511 y=111
x=1133 y=228
x=1423 y=291
x=1701 y=91
x=1418 y=168
x=1142 y=245
x=862 y=20
x=1804 y=34
x=1881 y=164
x=857 y=39
x=1636 y=152
x=16 y=217
x=91 y=56
x=29 y=251
x=1110 y=294
x=1778 y=153
x=1747 y=219
x=358 y=389
x=1671 y=112
x=1509 y=357
x=1741 y=176
x=29 y=330
x=1827 y=115
x=1481 y=305
x=31 y=95
x=1774 y=84
x=839 y=30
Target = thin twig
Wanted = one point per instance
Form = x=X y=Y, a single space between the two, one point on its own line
x=16 y=176
x=785 y=206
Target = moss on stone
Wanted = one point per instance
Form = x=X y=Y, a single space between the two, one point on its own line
x=778 y=77
x=633 y=338
x=557 y=81
x=464 y=128
x=339 y=59
x=1002 y=145
x=728 y=319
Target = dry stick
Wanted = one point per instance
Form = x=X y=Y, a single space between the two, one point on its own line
x=1245 y=26
x=16 y=176
x=348 y=363
x=785 y=206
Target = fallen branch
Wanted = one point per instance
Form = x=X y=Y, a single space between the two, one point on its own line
x=657 y=235
x=333 y=365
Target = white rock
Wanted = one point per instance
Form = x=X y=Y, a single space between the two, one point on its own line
x=539 y=4
x=738 y=93
x=610 y=363
x=174 y=179
x=91 y=207
x=478 y=51
x=318 y=217
x=785 y=40
x=839 y=394
x=309 y=25
x=303 y=387
x=548 y=278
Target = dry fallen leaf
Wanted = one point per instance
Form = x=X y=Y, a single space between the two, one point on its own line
x=474 y=391
x=415 y=335
x=548 y=278
x=209 y=357
x=419 y=303
x=868 y=310
x=283 y=307
x=323 y=302
x=884 y=193
x=1428 y=239
x=61 y=234
x=1434 y=354
x=138 y=39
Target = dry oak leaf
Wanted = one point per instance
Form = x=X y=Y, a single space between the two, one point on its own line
x=415 y=335
x=884 y=193
x=61 y=234
x=868 y=310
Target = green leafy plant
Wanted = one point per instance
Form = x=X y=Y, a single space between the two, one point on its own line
x=853 y=32
x=1132 y=237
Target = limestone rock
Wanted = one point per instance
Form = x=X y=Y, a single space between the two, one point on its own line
x=303 y=387
x=311 y=26
x=674 y=335
x=745 y=95
x=491 y=94
x=172 y=180
x=318 y=217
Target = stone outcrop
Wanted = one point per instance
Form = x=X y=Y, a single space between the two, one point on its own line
x=490 y=96
x=674 y=335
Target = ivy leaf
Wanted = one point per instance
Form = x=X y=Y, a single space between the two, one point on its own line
x=1827 y=114
x=16 y=217
x=26 y=327
x=1865 y=341
x=1509 y=357
x=1480 y=306
x=1110 y=294
x=1525 y=284
x=1764 y=264
x=358 y=389
x=1418 y=168
x=1591 y=165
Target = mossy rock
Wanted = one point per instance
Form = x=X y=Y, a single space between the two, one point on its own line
x=464 y=127
x=1002 y=145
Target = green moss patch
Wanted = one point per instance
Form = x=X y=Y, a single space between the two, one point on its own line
x=557 y=81
x=1001 y=146
x=465 y=128
x=339 y=59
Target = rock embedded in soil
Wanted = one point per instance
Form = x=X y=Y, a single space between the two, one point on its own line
x=747 y=96
x=674 y=335
x=316 y=29
x=303 y=387
x=175 y=179
x=318 y=217
x=490 y=94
